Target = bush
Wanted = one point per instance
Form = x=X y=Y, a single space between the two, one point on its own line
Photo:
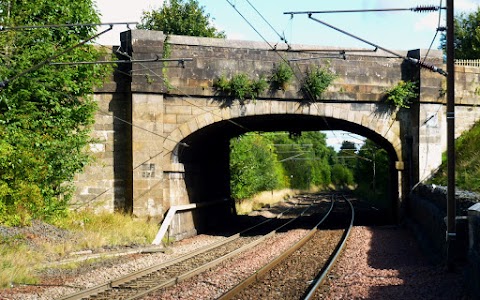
x=253 y=166
x=282 y=75
x=316 y=83
x=240 y=87
x=402 y=94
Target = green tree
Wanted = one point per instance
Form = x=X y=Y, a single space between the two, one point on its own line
x=254 y=166
x=45 y=114
x=467 y=36
x=347 y=155
x=341 y=175
x=372 y=172
x=306 y=158
x=180 y=17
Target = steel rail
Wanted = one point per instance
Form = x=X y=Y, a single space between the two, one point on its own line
x=84 y=294
x=272 y=264
x=322 y=275
x=217 y=261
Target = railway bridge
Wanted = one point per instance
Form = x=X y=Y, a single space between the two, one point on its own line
x=162 y=131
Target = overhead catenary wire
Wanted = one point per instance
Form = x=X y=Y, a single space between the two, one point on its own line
x=26 y=27
x=120 y=119
x=249 y=24
x=5 y=82
x=421 y=8
x=282 y=37
x=157 y=59
x=275 y=50
x=436 y=33
x=409 y=59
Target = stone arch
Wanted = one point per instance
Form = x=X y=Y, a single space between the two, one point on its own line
x=384 y=125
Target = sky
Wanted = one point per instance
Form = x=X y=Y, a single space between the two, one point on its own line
x=392 y=30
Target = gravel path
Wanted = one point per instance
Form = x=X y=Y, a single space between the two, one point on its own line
x=386 y=263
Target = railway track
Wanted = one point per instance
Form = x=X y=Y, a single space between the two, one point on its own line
x=299 y=272
x=141 y=283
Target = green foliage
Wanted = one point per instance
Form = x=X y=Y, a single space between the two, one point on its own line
x=180 y=17
x=45 y=114
x=253 y=166
x=467 y=36
x=306 y=158
x=372 y=172
x=402 y=95
x=282 y=75
x=342 y=175
x=347 y=155
x=240 y=87
x=167 y=52
x=316 y=82
x=467 y=174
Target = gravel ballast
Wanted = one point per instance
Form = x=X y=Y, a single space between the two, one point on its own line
x=386 y=263
x=378 y=263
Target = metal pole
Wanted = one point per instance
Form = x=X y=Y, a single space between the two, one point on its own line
x=451 y=213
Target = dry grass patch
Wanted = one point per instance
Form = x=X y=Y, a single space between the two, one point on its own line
x=107 y=229
x=21 y=256
x=263 y=199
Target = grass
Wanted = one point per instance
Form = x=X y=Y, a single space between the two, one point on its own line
x=16 y=261
x=263 y=199
x=20 y=262
x=467 y=163
x=267 y=198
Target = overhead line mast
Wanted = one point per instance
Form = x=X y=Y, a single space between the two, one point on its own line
x=450 y=76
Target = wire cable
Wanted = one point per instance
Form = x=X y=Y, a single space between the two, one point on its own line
x=250 y=24
x=182 y=92
x=118 y=118
x=436 y=33
x=409 y=59
x=2 y=28
x=309 y=94
x=426 y=8
x=49 y=59
x=282 y=38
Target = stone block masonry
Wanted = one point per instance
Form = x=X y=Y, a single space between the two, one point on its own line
x=162 y=131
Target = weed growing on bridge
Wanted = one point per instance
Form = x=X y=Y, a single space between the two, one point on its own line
x=240 y=87
x=316 y=83
x=402 y=95
x=282 y=75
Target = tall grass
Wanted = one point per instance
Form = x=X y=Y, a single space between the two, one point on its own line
x=467 y=162
x=16 y=261
x=20 y=261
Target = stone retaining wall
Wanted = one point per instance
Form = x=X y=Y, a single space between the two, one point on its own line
x=427 y=213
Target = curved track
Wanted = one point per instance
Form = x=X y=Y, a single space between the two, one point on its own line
x=141 y=283
x=299 y=272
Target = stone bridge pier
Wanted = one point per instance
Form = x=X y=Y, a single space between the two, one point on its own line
x=163 y=131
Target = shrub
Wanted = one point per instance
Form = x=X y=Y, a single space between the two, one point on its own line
x=282 y=75
x=402 y=94
x=240 y=87
x=316 y=82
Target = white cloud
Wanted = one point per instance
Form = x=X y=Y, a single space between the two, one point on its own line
x=428 y=23
x=466 y=5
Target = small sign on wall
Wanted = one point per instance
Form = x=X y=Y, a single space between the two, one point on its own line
x=148 y=170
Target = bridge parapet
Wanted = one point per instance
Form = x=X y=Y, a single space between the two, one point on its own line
x=361 y=77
